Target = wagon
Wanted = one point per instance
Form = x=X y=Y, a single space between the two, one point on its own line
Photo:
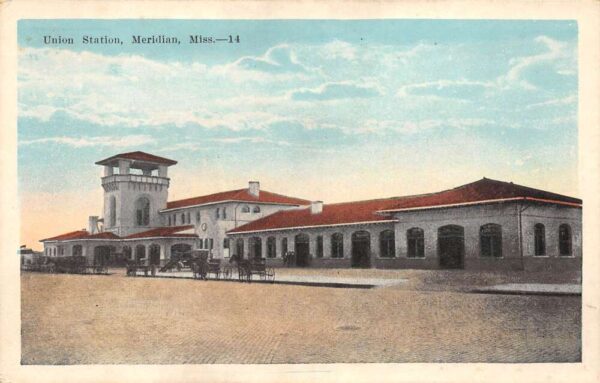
x=257 y=267
x=132 y=270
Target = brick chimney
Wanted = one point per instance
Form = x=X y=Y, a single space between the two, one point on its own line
x=254 y=188
x=316 y=207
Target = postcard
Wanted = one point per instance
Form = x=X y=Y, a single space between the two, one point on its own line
x=238 y=194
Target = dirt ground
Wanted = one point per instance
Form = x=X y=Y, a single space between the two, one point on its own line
x=82 y=319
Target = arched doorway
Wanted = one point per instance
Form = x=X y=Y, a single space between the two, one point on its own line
x=361 y=249
x=154 y=254
x=101 y=255
x=140 y=253
x=451 y=246
x=255 y=248
x=239 y=248
x=180 y=251
x=127 y=254
x=302 y=250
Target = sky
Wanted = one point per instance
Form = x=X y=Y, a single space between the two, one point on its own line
x=324 y=110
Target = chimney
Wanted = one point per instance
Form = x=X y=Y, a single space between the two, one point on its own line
x=316 y=207
x=93 y=224
x=254 y=188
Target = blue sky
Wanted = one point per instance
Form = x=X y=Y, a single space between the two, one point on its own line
x=333 y=110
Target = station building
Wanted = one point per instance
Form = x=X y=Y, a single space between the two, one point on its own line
x=486 y=224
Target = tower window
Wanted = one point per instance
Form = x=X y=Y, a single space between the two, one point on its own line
x=256 y=209
x=113 y=211
x=142 y=212
x=245 y=209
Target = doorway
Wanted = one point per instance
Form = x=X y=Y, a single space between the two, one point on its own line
x=361 y=249
x=302 y=250
x=451 y=246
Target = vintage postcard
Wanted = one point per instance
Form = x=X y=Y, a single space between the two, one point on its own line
x=302 y=196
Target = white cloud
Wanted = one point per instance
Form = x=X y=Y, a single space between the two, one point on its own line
x=568 y=100
x=555 y=51
x=80 y=142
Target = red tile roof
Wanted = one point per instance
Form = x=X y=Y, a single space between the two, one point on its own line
x=138 y=156
x=242 y=195
x=332 y=214
x=485 y=190
x=82 y=234
x=71 y=235
x=169 y=231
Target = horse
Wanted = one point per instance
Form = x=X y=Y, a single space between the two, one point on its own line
x=243 y=266
x=199 y=266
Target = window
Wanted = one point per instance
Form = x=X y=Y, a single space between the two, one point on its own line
x=564 y=240
x=206 y=243
x=271 y=250
x=256 y=209
x=226 y=243
x=113 y=211
x=77 y=251
x=337 y=245
x=490 y=239
x=174 y=219
x=169 y=220
x=182 y=217
x=245 y=209
x=224 y=213
x=284 y=248
x=201 y=244
x=142 y=212
x=210 y=243
x=539 y=239
x=320 y=246
x=387 y=244
x=217 y=214
x=198 y=216
x=188 y=217
x=415 y=240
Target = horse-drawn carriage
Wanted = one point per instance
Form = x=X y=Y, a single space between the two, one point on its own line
x=246 y=268
x=66 y=265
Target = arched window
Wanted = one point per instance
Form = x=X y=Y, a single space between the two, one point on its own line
x=113 y=211
x=337 y=245
x=490 y=239
x=539 y=239
x=217 y=214
x=256 y=209
x=387 y=244
x=564 y=239
x=77 y=251
x=319 y=246
x=142 y=212
x=284 y=246
x=415 y=240
x=271 y=249
x=245 y=209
